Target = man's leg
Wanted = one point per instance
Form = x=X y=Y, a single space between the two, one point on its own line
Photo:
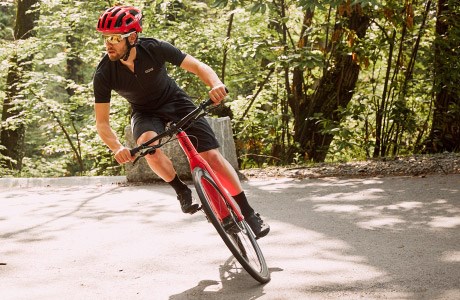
x=224 y=170
x=158 y=162
x=163 y=167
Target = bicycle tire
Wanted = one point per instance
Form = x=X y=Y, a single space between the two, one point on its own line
x=243 y=244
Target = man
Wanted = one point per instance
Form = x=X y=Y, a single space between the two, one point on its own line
x=135 y=68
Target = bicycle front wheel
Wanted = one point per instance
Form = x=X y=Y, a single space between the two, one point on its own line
x=240 y=240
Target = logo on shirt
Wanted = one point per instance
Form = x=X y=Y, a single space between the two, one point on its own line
x=148 y=70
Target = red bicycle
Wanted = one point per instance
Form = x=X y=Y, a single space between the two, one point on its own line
x=218 y=206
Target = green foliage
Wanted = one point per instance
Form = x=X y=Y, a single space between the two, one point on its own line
x=267 y=43
x=6 y=22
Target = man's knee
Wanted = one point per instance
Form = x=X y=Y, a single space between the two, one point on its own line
x=213 y=154
x=214 y=158
x=146 y=136
x=156 y=157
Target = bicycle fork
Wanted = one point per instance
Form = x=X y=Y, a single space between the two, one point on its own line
x=195 y=160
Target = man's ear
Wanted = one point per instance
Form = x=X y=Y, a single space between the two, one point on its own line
x=132 y=38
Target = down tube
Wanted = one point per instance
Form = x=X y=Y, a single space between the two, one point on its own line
x=196 y=160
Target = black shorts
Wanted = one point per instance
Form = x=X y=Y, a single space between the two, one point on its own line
x=200 y=132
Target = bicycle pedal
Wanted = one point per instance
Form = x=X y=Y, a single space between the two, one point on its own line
x=230 y=226
x=195 y=208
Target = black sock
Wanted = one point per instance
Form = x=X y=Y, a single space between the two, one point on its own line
x=178 y=185
x=242 y=202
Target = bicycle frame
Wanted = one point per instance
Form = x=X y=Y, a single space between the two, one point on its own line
x=220 y=208
x=195 y=160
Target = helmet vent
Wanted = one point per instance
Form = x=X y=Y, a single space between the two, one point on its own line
x=119 y=21
x=103 y=21
x=115 y=12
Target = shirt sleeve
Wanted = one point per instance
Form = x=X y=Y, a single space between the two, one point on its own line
x=172 y=54
x=102 y=91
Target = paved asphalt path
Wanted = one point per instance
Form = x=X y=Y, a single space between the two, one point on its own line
x=372 y=238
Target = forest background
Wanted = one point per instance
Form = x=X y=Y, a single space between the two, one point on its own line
x=309 y=81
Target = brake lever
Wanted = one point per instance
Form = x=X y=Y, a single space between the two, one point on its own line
x=143 y=152
x=135 y=160
x=203 y=107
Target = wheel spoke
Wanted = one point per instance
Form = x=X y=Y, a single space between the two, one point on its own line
x=243 y=244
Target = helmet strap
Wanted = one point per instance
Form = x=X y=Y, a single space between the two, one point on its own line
x=125 y=57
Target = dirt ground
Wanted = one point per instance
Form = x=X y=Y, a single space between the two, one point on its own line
x=415 y=165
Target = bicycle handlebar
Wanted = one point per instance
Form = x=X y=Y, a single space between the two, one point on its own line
x=172 y=130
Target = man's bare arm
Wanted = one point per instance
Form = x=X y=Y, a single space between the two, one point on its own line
x=207 y=75
x=102 y=111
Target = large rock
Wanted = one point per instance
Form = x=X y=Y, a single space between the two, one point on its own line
x=141 y=172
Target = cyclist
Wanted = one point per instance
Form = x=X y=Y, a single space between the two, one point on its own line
x=135 y=68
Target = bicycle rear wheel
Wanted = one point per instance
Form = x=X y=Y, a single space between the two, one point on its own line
x=241 y=242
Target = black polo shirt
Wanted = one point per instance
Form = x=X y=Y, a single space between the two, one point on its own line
x=149 y=87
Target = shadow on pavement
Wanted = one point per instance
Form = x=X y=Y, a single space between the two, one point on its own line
x=234 y=283
x=371 y=237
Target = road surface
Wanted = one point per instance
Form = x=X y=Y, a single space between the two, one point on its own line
x=367 y=238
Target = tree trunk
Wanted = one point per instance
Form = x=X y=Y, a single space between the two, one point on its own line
x=445 y=130
x=335 y=89
x=223 y=110
x=379 y=116
x=74 y=72
x=12 y=135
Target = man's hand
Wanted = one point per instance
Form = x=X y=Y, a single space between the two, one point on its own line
x=122 y=155
x=218 y=93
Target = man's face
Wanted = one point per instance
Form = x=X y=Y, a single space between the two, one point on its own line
x=115 y=50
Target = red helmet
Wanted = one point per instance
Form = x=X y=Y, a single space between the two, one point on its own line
x=120 y=19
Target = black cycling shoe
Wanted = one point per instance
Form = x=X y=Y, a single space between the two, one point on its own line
x=257 y=225
x=186 y=202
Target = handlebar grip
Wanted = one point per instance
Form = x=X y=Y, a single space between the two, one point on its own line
x=209 y=102
x=133 y=151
